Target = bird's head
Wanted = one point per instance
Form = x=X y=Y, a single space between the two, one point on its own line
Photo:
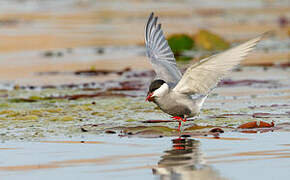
x=158 y=88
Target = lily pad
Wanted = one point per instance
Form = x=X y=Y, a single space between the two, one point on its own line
x=210 y=41
x=180 y=42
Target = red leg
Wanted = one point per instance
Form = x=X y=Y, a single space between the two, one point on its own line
x=179 y=125
x=179 y=119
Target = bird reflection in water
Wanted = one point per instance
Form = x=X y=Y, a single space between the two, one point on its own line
x=184 y=161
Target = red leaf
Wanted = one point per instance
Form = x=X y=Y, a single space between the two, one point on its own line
x=214 y=130
x=256 y=124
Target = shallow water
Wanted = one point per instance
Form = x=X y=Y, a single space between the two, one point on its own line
x=233 y=156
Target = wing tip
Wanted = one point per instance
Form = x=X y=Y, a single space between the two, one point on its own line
x=158 y=27
x=151 y=16
x=155 y=21
x=250 y=45
x=264 y=35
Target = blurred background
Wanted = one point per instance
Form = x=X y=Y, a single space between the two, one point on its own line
x=40 y=38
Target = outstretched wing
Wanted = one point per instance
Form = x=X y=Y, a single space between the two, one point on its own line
x=202 y=77
x=160 y=54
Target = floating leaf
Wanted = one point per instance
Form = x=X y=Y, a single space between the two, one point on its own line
x=180 y=42
x=209 y=41
x=256 y=124
x=217 y=130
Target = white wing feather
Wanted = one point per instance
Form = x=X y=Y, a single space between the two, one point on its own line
x=202 y=77
x=160 y=54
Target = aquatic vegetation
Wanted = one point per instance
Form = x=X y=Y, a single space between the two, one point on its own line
x=42 y=117
x=203 y=40
x=256 y=124
x=77 y=111
x=209 y=41
x=180 y=42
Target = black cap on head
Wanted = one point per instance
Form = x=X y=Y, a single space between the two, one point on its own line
x=155 y=85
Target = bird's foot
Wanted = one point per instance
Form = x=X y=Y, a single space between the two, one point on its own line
x=179 y=119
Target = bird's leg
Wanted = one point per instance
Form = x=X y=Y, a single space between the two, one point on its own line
x=179 y=125
x=179 y=119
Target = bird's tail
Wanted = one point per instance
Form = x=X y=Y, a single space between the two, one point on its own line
x=200 y=100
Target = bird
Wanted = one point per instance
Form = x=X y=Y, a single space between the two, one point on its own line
x=182 y=95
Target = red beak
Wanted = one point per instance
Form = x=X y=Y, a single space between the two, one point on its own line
x=149 y=97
